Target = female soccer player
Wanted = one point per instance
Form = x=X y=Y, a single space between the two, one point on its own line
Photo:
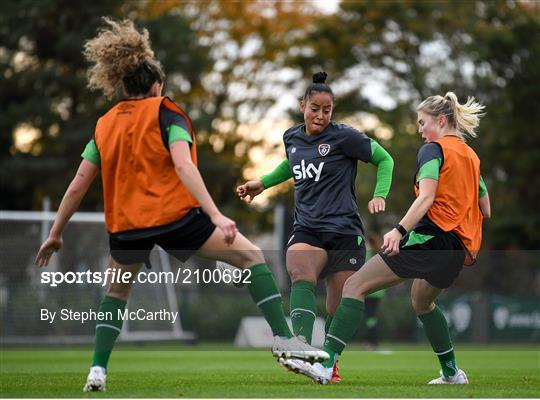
x=441 y=232
x=153 y=192
x=327 y=239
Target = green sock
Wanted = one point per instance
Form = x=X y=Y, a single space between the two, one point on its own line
x=303 y=308
x=437 y=332
x=265 y=293
x=107 y=330
x=346 y=320
x=327 y=323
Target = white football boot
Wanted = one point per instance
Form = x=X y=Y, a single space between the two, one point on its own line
x=458 y=379
x=291 y=364
x=295 y=348
x=96 y=380
x=317 y=372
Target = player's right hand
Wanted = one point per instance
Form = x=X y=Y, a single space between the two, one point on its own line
x=227 y=226
x=376 y=204
x=49 y=246
x=391 y=241
x=249 y=190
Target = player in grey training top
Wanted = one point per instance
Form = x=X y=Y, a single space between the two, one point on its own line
x=324 y=171
x=327 y=240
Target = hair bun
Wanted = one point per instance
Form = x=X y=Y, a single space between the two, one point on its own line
x=320 y=77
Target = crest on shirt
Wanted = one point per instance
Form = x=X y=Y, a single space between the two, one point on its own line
x=324 y=149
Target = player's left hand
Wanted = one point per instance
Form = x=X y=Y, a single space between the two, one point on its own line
x=49 y=246
x=376 y=204
x=391 y=241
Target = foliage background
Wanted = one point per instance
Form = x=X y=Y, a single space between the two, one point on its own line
x=233 y=65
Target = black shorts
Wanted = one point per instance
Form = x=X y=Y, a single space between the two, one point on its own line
x=428 y=253
x=185 y=238
x=345 y=252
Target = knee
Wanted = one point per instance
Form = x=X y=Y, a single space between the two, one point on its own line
x=299 y=272
x=420 y=305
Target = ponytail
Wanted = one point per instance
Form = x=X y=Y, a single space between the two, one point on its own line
x=465 y=118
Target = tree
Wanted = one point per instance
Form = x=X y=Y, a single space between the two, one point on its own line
x=219 y=57
x=43 y=89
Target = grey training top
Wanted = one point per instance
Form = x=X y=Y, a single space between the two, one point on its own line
x=324 y=171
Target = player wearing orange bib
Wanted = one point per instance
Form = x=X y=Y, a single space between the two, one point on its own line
x=153 y=193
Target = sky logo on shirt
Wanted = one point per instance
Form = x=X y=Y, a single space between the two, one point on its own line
x=310 y=171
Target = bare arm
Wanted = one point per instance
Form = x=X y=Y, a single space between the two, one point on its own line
x=191 y=177
x=419 y=208
x=421 y=205
x=485 y=206
x=70 y=203
x=483 y=199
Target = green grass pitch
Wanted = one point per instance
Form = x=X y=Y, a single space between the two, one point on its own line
x=222 y=371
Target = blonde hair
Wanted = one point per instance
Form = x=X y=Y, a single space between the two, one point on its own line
x=121 y=55
x=465 y=118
